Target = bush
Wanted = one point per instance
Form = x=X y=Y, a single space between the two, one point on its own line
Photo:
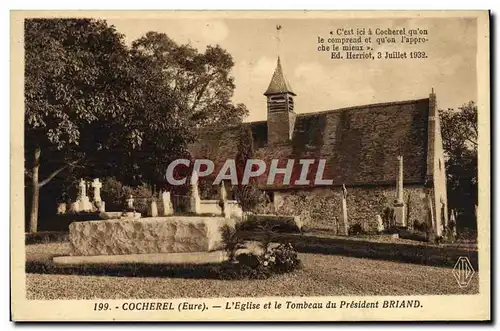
x=356 y=229
x=46 y=237
x=420 y=226
x=115 y=194
x=277 y=260
x=284 y=257
x=62 y=222
x=253 y=265
x=417 y=236
x=467 y=235
x=231 y=240
x=388 y=217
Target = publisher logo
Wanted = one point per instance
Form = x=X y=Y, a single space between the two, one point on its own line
x=463 y=271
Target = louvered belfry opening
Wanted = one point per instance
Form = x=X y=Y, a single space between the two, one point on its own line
x=280 y=103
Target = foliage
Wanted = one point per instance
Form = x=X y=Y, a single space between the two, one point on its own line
x=260 y=264
x=232 y=240
x=275 y=260
x=459 y=130
x=388 y=218
x=421 y=226
x=201 y=82
x=76 y=75
x=115 y=194
x=283 y=258
x=276 y=223
x=467 y=235
x=248 y=196
x=99 y=109
x=356 y=229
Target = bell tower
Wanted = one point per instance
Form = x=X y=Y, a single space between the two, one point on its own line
x=280 y=108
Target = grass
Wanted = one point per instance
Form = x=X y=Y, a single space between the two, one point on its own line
x=374 y=247
x=321 y=275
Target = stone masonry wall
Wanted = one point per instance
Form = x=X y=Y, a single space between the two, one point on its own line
x=320 y=208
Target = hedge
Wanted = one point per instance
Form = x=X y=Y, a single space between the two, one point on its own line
x=257 y=222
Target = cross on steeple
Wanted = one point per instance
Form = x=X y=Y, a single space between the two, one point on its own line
x=278 y=40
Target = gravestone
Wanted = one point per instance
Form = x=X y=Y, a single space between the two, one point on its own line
x=101 y=206
x=153 y=208
x=380 y=224
x=61 y=209
x=223 y=201
x=74 y=207
x=168 y=209
x=430 y=214
x=130 y=212
x=194 y=195
x=453 y=223
x=399 y=204
x=344 y=227
x=83 y=200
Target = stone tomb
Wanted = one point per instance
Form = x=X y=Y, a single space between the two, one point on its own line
x=163 y=240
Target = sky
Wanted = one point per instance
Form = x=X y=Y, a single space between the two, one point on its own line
x=319 y=82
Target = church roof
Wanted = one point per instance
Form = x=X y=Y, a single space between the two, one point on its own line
x=360 y=144
x=279 y=84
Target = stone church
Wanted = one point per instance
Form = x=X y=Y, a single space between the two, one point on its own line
x=362 y=146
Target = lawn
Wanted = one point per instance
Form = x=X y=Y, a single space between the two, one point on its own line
x=321 y=275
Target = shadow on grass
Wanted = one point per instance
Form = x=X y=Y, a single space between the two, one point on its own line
x=423 y=254
x=201 y=271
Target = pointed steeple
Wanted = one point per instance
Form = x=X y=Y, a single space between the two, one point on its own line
x=279 y=84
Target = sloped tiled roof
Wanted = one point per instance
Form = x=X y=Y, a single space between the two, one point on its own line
x=360 y=144
x=279 y=84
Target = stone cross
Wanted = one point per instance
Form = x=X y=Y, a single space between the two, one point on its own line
x=83 y=202
x=344 y=227
x=96 y=184
x=83 y=189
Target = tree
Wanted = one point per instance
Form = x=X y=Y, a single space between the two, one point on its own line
x=248 y=195
x=178 y=90
x=99 y=108
x=459 y=131
x=200 y=82
x=75 y=75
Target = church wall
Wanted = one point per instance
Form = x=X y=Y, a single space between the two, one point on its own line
x=320 y=208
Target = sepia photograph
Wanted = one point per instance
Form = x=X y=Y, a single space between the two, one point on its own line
x=244 y=163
